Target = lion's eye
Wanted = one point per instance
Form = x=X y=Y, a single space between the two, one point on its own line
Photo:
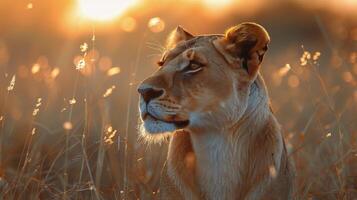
x=193 y=67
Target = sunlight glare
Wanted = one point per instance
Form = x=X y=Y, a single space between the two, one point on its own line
x=214 y=3
x=102 y=10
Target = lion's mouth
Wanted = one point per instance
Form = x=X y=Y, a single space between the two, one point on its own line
x=179 y=124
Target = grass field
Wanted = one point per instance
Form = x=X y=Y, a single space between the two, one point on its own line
x=68 y=100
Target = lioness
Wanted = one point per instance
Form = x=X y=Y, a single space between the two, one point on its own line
x=210 y=98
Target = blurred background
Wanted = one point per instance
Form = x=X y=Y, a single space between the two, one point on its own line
x=68 y=101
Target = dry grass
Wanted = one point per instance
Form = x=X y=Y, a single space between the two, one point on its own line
x=68 y=129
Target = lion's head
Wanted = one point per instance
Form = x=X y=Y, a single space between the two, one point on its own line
x=204 y=82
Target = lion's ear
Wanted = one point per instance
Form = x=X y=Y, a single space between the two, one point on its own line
x=178 y=35
x=246 y=43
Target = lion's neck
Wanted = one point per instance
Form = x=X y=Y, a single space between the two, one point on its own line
x=219 y=153
x=257 y=113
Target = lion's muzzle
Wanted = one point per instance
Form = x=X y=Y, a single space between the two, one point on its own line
x=156 y=113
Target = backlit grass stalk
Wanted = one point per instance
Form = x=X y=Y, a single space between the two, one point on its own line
x=69 y=119
x=2 y=132
x=337 y=118
x=3 y=116
x=83 y=139
x=328 y=40
x=132 y=83
x=85 y=161
x=101 y=149
x=25 y=157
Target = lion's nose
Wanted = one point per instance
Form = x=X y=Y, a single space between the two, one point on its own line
x=149 y=93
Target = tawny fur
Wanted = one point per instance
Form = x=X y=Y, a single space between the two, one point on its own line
x=233 y=147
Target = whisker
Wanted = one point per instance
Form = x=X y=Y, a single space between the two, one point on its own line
x=155 y=44
x=153 y=55
x=156 y=48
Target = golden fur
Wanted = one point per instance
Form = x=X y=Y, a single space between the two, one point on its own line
x=210 y=99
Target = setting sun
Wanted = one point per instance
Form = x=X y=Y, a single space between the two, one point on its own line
x=101 y=10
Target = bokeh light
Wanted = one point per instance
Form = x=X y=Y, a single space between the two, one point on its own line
x=113 y=71
x=35 y=68
x=156 y=24
x=128 y=24
x=67 y=125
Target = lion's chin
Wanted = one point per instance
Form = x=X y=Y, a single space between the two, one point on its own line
x=153 y=130
x=153 y=125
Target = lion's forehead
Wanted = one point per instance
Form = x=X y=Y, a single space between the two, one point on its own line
x=199 y=43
